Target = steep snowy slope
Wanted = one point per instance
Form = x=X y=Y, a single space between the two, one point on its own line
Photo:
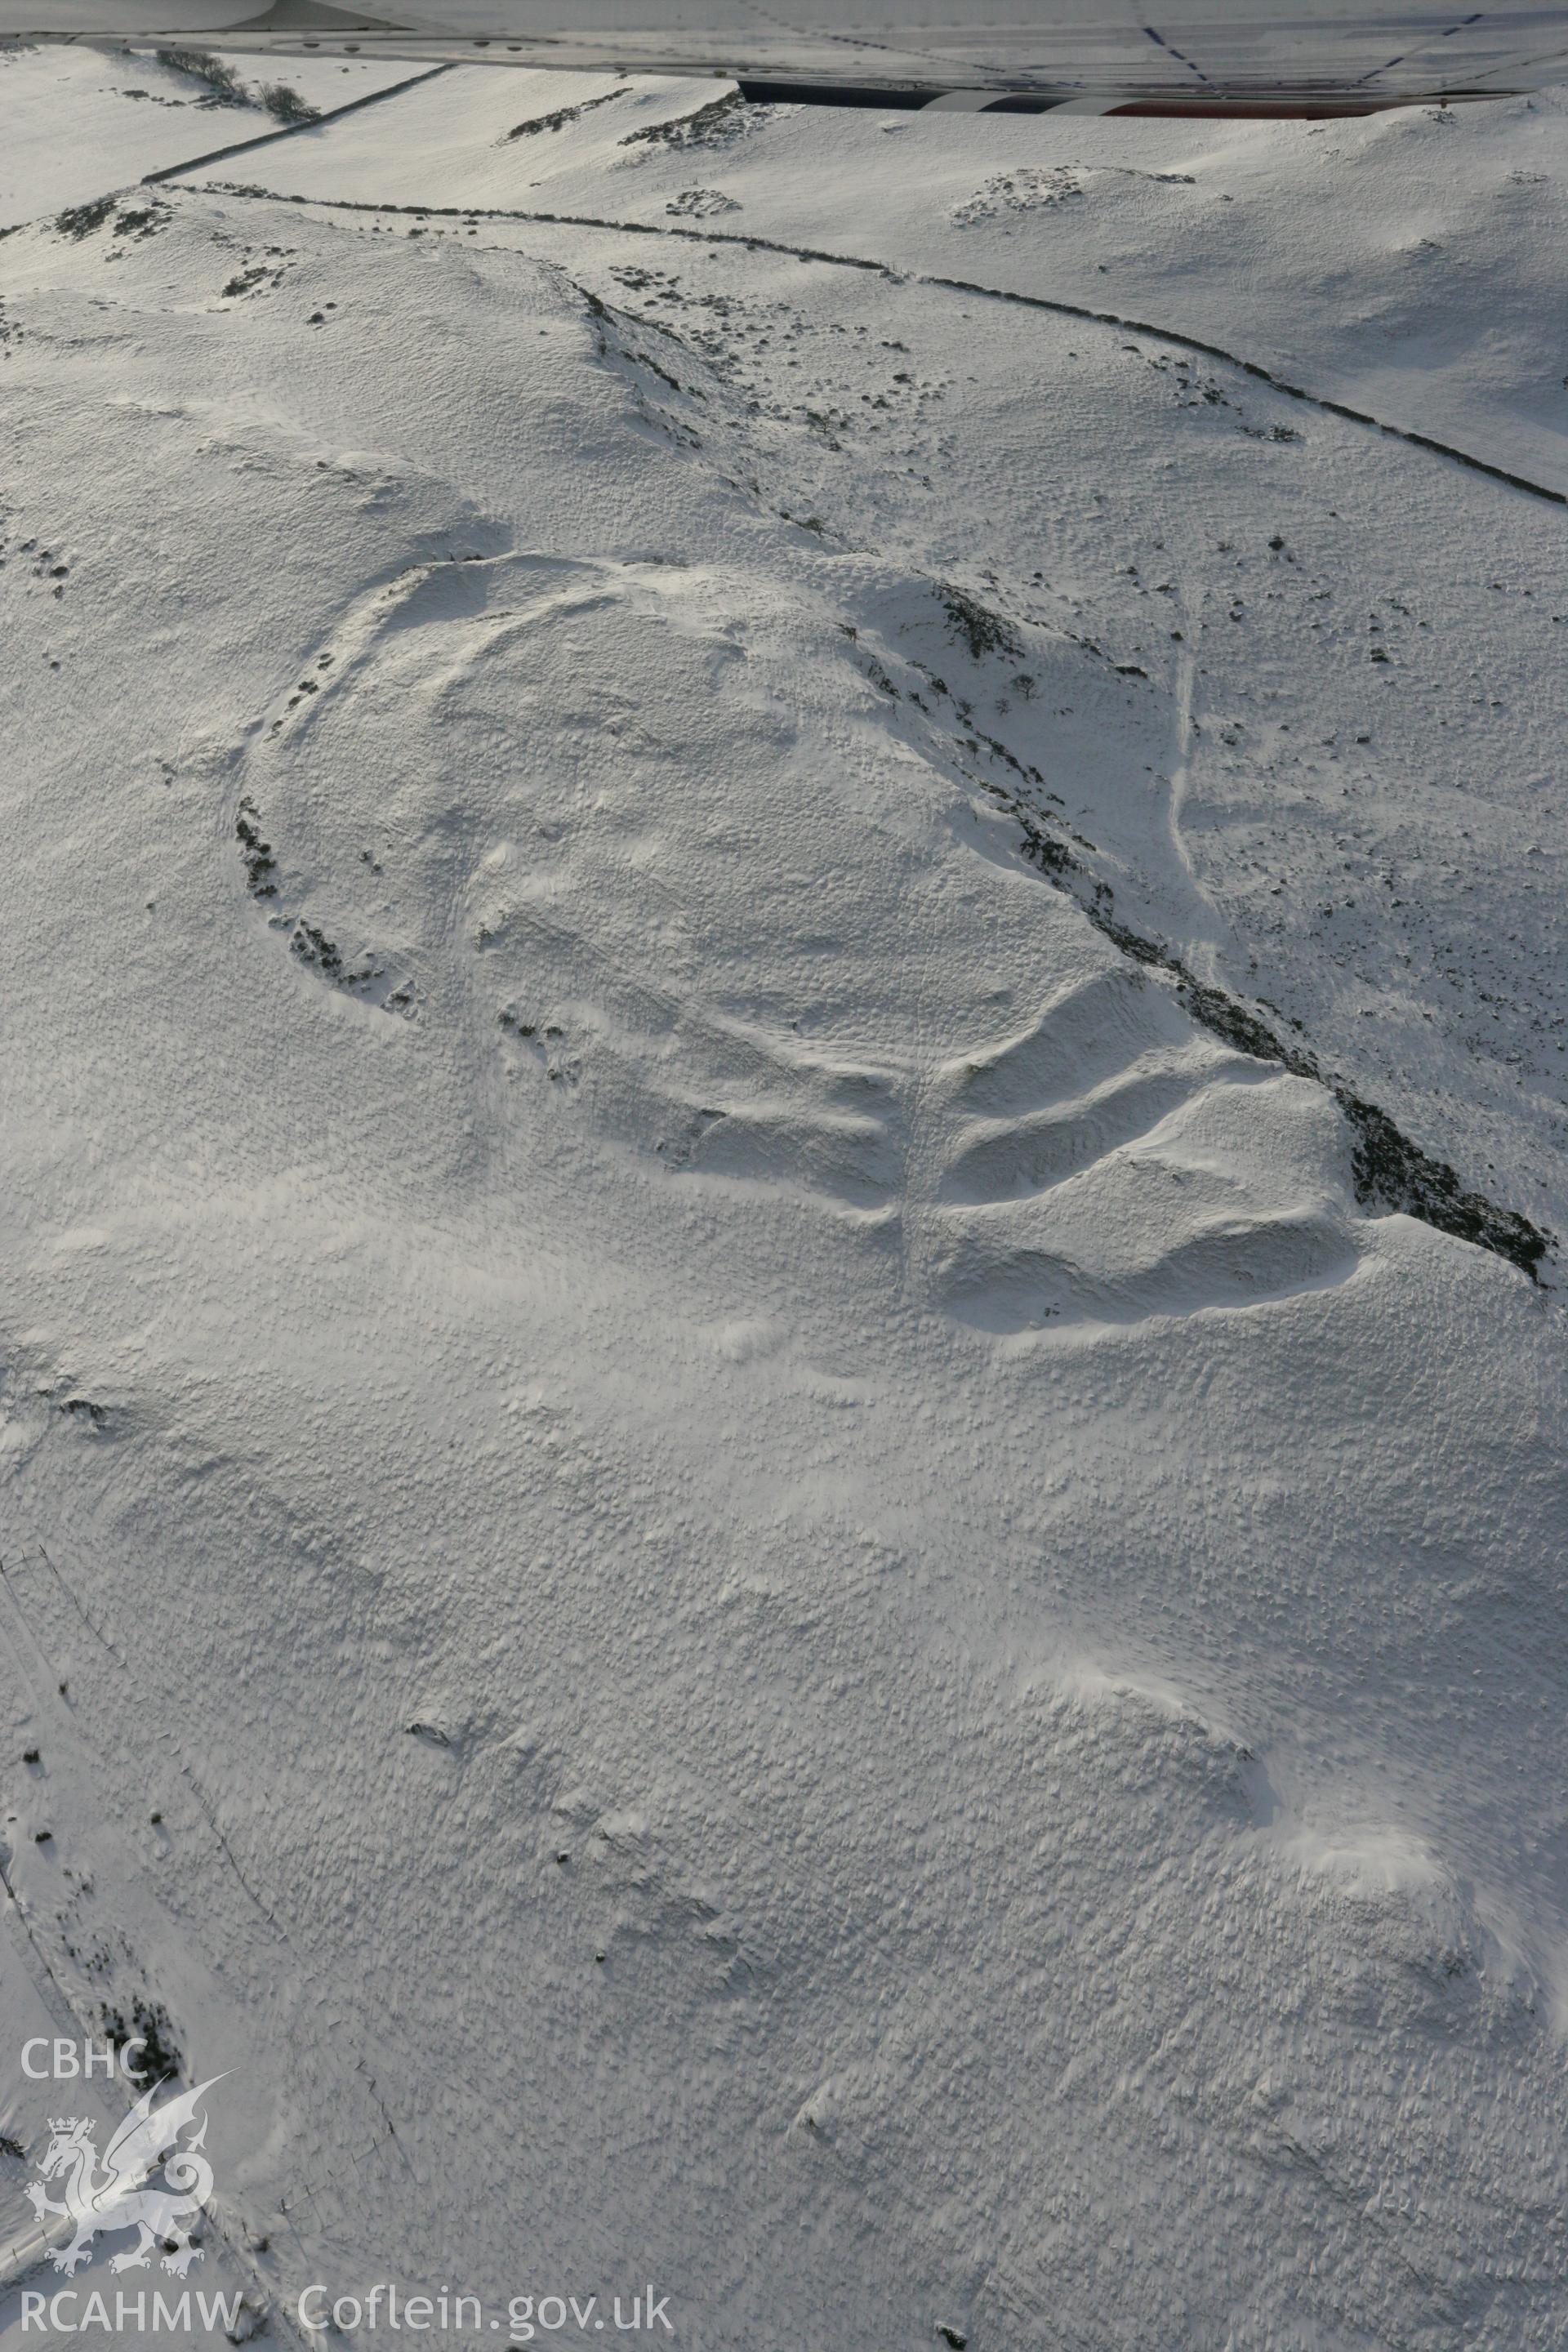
x=758 y=1572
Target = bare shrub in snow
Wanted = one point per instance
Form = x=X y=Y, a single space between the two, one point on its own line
x=222 y=82
x=286 y=105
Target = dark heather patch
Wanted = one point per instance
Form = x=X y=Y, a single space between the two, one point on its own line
x=149 y=2022
x=713 y=125
x=80 y=220
x=981 y=630
x=559 y=118
x=260 y=865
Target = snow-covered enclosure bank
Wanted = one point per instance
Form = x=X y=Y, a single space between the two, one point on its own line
x=783 y=1343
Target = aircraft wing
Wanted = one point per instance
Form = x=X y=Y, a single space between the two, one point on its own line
x=1200 y=57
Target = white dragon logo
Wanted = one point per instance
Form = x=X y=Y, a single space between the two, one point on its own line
x=114 y=2195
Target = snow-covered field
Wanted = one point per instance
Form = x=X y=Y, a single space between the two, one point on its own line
x=76 y=121
x=786 y=1050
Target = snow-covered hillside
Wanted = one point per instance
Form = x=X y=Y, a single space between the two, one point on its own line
x=781 y=1357
x=78 y=120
